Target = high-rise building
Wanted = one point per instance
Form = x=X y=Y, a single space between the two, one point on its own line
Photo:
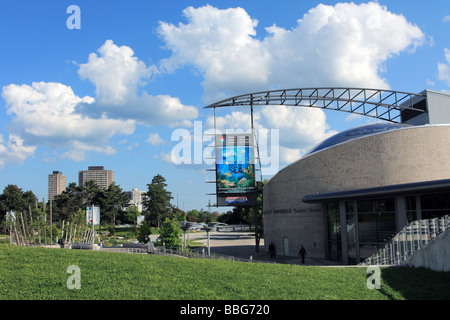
x=56 y=184
x=137 y=198
x=103 y=178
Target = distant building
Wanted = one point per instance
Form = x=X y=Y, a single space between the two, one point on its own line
x=103 y=178
x=56 y=184
x=137 y=198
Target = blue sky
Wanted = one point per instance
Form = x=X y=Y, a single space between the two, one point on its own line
x=138 y=73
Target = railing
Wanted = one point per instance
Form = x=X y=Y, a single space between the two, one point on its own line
x=165 y=251
x=203 y=254
x=408 y=240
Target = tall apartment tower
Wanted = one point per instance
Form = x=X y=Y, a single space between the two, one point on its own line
x=137 y=198
x=102 y=177
x=56 y=184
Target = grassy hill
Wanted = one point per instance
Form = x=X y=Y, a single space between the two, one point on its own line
x=41 y=274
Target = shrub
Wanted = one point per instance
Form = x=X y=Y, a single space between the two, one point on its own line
x=170 y=233
x=144 y=232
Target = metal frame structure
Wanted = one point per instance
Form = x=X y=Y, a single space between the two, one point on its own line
x=376 y=103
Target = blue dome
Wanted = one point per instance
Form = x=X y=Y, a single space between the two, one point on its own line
x=356 y=133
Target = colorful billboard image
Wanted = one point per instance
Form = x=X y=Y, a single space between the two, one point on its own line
x=235 y=166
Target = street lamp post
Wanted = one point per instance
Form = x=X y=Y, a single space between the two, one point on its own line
x=208 y=229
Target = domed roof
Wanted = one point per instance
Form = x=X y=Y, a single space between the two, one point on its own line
x=355 y=133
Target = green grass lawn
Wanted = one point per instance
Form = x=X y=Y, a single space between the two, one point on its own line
x=41 y=273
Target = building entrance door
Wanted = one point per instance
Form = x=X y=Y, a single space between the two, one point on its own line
x=286 y=246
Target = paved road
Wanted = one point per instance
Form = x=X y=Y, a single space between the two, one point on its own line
x=238 y=244
x=241 y=244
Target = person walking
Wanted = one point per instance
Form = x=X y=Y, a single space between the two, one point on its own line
x=302 y=254
x=272 y=250
x=61 y=242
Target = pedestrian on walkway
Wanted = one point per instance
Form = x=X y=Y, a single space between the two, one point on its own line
x=302 y=254
x=272 y=250
x=61 y=242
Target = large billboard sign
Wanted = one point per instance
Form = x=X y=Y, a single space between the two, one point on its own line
x=235 y=170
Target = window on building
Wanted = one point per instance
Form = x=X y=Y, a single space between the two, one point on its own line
x=411 y=208
x=334 y=231
x=376 y=224
x=435 y=205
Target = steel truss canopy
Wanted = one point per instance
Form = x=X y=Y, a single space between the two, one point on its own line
x=381 y=104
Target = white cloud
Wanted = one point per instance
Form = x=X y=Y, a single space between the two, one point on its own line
x=444 y=68
x=345 y=45
x=290 y=155
x=233 y=120
x=300 y=129
x=118 y=76
x=154 y=139
x=45 y=114
x=115 y=74
x=341 y=45
x=220 y=44
x=14 y=151
x=51 y=114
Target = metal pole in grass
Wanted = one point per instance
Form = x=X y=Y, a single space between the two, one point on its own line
x=39 y=230
x=91 y=219
x=51 y=223
x=23 y=228
x=62 y=229
x=15 y=232
x=45 y=229
x=208 y=229
x=10 y=231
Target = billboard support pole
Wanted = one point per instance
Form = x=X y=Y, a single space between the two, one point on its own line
x=255 y=212
x=255 y=208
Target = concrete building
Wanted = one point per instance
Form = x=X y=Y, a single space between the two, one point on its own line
x=137 y=198
x=102 y=177
x=357 y=189
x=56 y=184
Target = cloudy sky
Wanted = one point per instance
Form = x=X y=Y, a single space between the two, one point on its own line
x=122 y=83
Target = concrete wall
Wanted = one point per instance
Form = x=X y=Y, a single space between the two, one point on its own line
x=435 y=255
x=414 y=154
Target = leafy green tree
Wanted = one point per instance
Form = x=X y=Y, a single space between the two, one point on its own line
x=78 y=218
x=68 y=202
x=11 y=199
x=14 y=199
x=170 y=233
x=90 y=193
x=192 y=215
x=158 y=201
x=144 y=232
x=131 y=214
x=112 y=201
x=177 y=214
x=205 y=216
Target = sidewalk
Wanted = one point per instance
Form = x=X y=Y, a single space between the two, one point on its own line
x=242 y=245
x=297 y=260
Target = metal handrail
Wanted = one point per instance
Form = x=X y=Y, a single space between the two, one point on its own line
x=411 y=238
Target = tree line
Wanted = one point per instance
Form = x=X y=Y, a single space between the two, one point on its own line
x=114 y=206
x=113 y=202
